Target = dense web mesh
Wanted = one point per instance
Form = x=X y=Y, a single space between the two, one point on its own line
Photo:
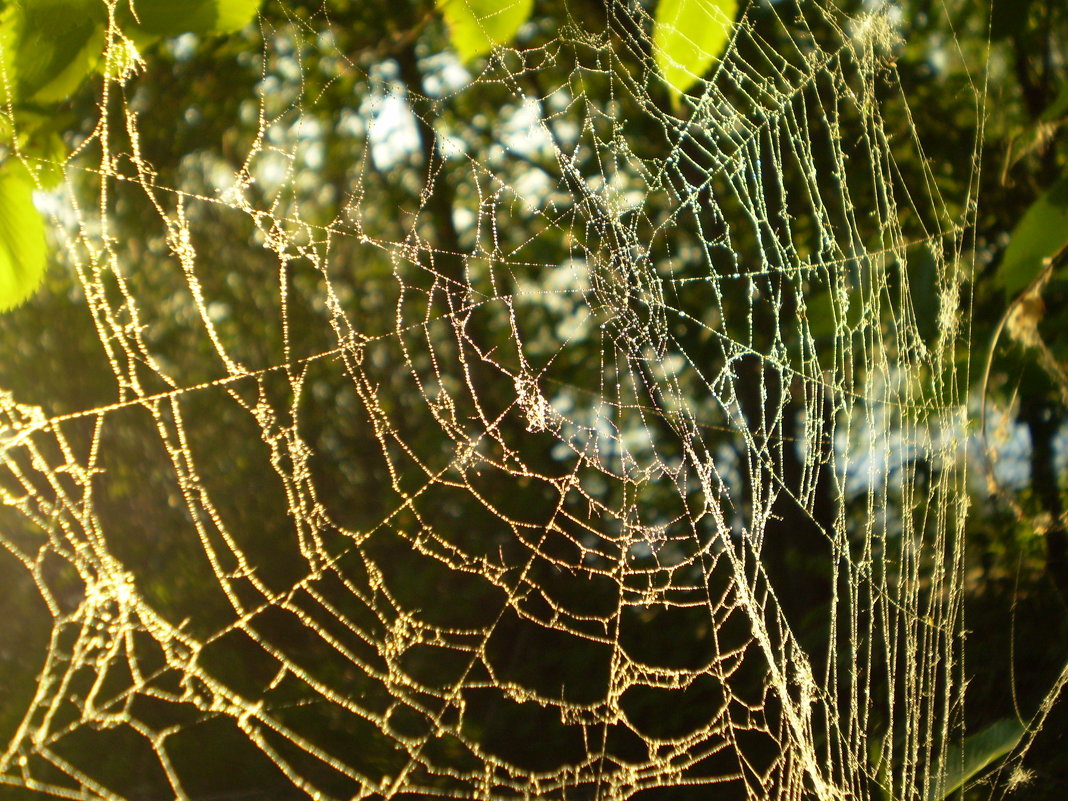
x=522 y=466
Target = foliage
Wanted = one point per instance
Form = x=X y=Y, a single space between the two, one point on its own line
x=22 y=238
x=48 y=48
x=688 y=36
x=978 y=751
x=1041 y=232
x=478 y=26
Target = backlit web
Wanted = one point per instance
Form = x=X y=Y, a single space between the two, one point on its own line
x=514 y=433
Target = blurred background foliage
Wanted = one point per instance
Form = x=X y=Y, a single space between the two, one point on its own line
x=320 y=83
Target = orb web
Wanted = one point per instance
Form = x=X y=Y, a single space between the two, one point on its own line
x=504 y=430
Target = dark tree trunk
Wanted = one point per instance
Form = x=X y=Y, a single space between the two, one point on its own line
x=1043 y=421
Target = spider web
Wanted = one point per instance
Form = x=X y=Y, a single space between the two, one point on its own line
x=526 y=466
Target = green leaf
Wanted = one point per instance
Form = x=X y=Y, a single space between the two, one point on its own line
x=1041 y=232
x=48 y=47
x=22 y=238
x=168 y=18
x=880 y=765
x=980 y=750
x=36 y=144
x=688 y=36
x=233 y=15
x=46 y=157
x=476 y=27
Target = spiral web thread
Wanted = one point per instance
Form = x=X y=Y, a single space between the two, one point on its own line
x=528 y=465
